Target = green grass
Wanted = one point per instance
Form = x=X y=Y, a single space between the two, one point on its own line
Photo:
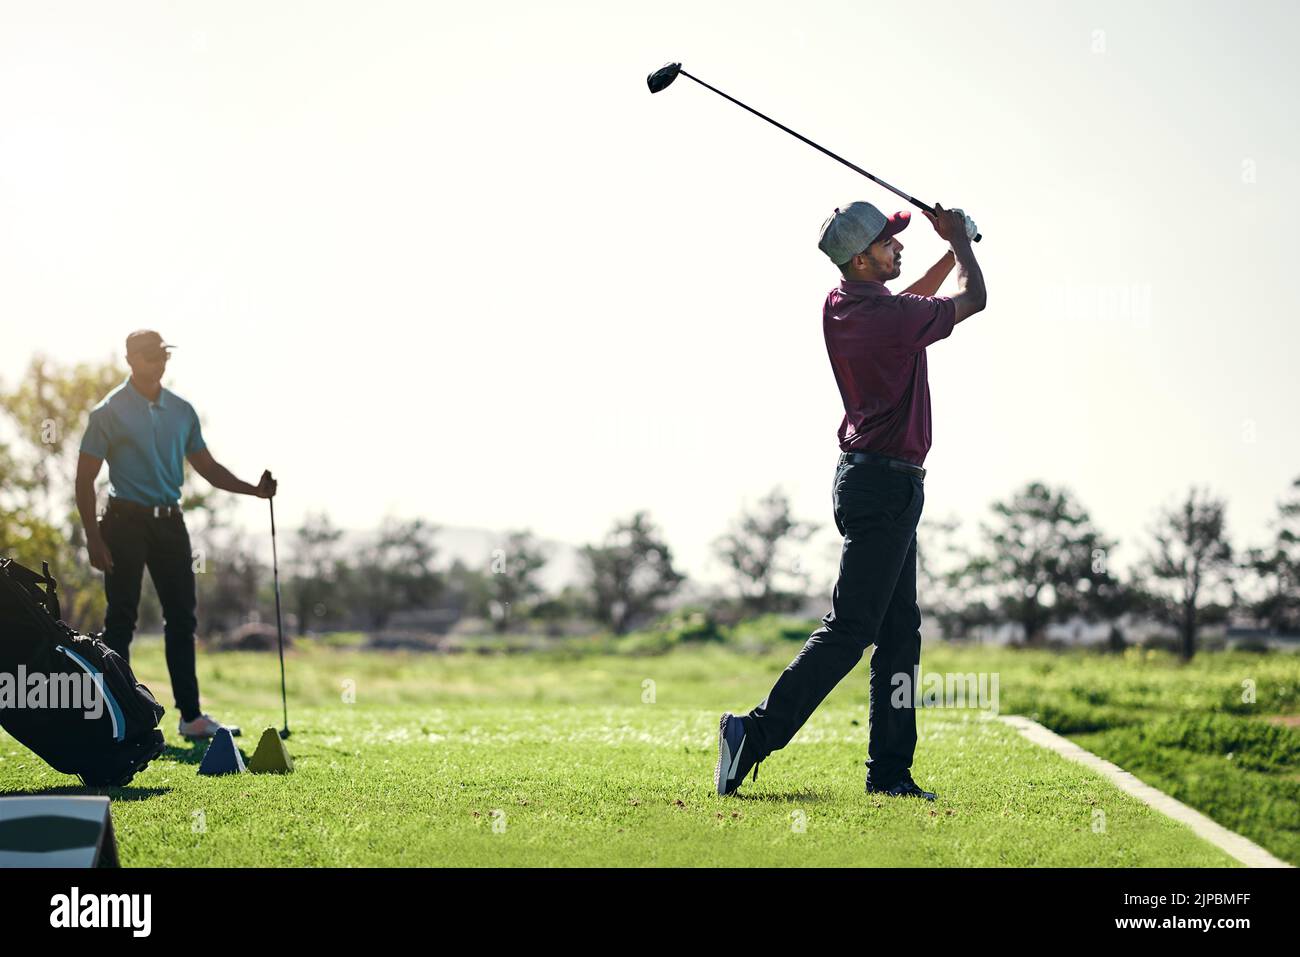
x=563 y=760
x=1197 y=731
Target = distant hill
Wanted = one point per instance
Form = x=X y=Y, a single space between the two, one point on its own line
x=473 y=546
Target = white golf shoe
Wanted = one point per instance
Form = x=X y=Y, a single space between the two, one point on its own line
x=203 y=727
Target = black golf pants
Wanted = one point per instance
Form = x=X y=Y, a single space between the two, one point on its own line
x=877 y=509
x=138 y=541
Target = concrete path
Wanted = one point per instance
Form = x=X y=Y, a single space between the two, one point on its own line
x=1233 y=844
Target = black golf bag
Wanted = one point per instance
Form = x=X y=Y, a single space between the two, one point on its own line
x=70 y=698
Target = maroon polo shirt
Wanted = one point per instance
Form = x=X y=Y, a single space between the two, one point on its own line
x=876 y=342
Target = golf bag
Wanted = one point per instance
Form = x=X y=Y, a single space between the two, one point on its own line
x=71 y=698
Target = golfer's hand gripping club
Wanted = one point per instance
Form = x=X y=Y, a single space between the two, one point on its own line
x=266 y=485
x=951 y=223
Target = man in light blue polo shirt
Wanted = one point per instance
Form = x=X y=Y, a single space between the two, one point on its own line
x=146 y=433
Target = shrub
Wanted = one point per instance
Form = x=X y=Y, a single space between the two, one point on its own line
x=688 y=625
x=1253 y=744
x=769 y=631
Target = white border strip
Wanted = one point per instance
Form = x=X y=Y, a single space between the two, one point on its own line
x=1230 y=842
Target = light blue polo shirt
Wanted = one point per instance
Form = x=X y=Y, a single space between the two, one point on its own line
x=144 y=443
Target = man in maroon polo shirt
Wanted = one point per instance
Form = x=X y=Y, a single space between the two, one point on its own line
x=876 y=341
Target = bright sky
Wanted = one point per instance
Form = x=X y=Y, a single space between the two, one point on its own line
x=457 y=262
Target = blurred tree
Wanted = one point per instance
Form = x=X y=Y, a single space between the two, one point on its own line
x=1276 y=569
x=233 y=583
x=1190 y=560
x=24 y=535
x=753 y=550
x=467 y=592
x=630 y=573
x=556 y=611
x=46 y=412
x=1109 y=599
x=49 y=408
x=1040 y=560
x=315 y=572
x=946 y=590
x=513 y=586
x=396 y=572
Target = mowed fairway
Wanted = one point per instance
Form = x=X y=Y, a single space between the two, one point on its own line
x=601 y=760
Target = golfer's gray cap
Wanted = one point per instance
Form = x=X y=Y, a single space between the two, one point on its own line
x=852 y=228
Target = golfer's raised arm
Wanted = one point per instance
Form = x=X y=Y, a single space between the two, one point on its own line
x=954 y=228
x=928 y=285
x=971 y=296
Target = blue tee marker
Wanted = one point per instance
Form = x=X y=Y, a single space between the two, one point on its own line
x=222 y=757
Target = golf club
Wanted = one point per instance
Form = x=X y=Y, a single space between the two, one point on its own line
x=663 y=77
x=279 y=623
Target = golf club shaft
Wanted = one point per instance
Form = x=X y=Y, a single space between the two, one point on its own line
x=853 y=166
x=279 y=624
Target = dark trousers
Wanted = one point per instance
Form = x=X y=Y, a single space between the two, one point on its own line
x=877 y=509
x=136 y=542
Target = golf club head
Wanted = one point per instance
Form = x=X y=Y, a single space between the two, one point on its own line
x=284 y=734
x=663 y=76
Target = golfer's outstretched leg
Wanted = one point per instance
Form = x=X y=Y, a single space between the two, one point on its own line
x=876 y=509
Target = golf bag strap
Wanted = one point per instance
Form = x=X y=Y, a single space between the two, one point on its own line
x=43 y=587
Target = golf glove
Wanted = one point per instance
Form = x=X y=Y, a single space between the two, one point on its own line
x=971 y=229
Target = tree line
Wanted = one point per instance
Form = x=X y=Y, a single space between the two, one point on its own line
x=1040 y=558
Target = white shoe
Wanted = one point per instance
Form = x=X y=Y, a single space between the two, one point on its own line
x=202 y=727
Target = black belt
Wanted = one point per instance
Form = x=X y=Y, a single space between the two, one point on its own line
x=872 y=458
x=116 y=504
